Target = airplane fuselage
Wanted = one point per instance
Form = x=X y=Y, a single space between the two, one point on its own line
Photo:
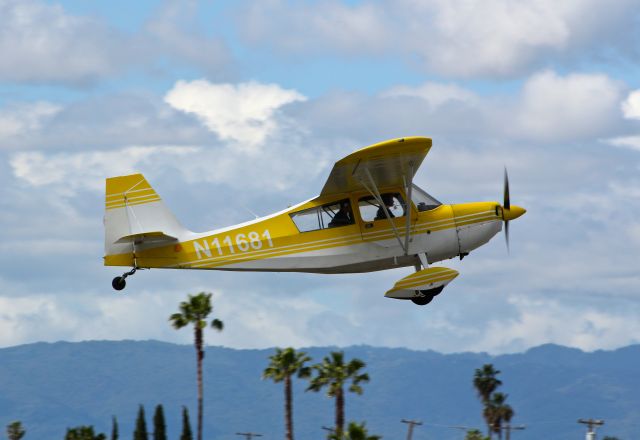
x=276 y=242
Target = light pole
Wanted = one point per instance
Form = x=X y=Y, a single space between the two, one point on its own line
x=591 y=424
x=411 y=424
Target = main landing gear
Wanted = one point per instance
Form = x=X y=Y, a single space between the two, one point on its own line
x=424 y=297
x=119 y=283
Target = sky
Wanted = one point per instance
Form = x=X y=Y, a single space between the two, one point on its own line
x=232 y=108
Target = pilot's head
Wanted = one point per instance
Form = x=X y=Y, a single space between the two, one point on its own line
x=388 y=200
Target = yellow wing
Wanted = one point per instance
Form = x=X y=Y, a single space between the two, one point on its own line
x=389 y=163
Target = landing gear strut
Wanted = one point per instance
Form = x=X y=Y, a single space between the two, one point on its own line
x=119 y=283
x=424 y=297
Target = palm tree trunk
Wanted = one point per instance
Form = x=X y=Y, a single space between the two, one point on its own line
x=339 y=412
x=200 y=356
x=288 y=408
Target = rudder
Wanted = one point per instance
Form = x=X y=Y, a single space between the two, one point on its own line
x=135 y=215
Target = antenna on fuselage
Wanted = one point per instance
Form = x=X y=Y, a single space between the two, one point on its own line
x=251 y=212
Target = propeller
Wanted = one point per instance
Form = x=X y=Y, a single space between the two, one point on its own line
x=509 y=212
x=506 y=205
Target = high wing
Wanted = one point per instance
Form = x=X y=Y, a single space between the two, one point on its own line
x=389 y=163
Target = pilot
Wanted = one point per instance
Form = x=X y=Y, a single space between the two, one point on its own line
x=342 y=217
x=387 y=199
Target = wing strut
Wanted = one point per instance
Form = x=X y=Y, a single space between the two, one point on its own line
x=376 y=195
x=409 y=186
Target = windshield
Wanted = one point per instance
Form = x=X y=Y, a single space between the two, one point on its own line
x=422 y=200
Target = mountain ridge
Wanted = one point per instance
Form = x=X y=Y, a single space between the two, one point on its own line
x=54 y=385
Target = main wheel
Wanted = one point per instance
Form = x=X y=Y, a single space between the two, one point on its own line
x=433 y=292
x=118 y=283
x=422 y=300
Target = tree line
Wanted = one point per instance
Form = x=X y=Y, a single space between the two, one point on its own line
x=334 y=374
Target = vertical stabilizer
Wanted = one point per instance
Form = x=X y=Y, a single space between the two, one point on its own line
x=135 y=215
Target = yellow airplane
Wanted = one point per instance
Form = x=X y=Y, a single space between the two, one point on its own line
x=360 y=222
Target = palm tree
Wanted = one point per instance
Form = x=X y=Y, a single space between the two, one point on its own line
x=15 y=431
x=355 y=431
x=485 y=383
x=505 y=413
x=284 y=364
x=334 y=374
x=195 y=311
x=497 y=411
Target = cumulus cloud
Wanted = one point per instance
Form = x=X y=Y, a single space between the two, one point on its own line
x=98 y=123
x=632 y=142
x=542 y=320
x=571 y=207
x=554 y=107
x=548 y=108
x=436 y=94
x=41 y=42
x=22 y=118
x=175 y=31
x=465 y=39
x=88 y=170
x=631 y=105
x=243 y=112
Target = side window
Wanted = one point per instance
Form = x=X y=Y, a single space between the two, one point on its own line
x=371 y=210
x=331 y=215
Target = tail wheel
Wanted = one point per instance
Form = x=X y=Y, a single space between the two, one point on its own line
x=118 y=283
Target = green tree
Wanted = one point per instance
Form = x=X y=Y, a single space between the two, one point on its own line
x=159 y=425
x=355 y=431
x=485 y=383
x=114 y=428
x=83 y=433
x=334 y=374
x=285 y=364
x=195 y=311
x=496 y=411
x=140 y=432
x=186 y=425
x=15 y=431
x=475 y=434
x=507 y=413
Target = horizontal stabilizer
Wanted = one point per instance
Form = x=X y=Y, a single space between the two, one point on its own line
x=425 y=279
x=147 y=237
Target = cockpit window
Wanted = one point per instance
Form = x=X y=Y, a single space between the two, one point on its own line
x=422 y=200
x=326 y=216
x=371 y=210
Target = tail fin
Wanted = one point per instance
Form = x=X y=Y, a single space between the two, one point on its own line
x=135 y=215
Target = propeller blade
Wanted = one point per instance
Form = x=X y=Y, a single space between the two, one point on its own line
x=507 y=199
x=506 y=235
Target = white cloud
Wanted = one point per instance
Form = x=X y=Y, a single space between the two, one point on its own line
x=88 y=170
x=20 y=119
x=459 y=38
x=539 y=321
x=436 y=94
x=631 y=105
x=244 y=112
x=41 y=42
x=558 y=108
x=175 y=31
x=631 y=142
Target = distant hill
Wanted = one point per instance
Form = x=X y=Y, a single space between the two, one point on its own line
x=52 y=386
